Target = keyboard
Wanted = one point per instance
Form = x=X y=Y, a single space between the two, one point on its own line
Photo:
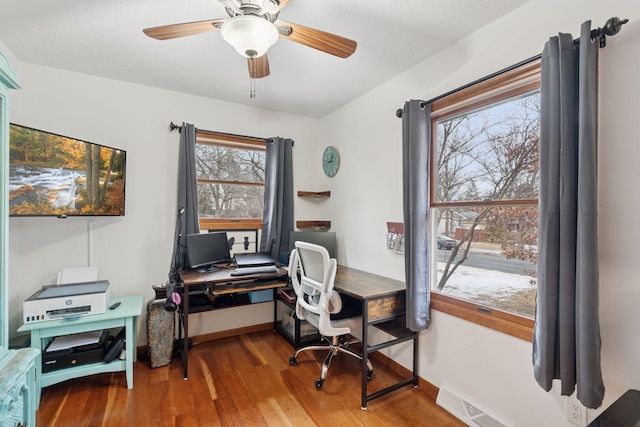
x=247 y=271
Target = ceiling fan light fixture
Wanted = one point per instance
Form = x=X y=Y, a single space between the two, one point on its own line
x=250 y=35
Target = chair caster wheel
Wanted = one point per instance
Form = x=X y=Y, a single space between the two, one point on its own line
x=369 y=374
x=293 y=361
x=319 y=383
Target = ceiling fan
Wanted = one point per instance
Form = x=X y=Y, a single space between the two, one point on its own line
x=252 y=28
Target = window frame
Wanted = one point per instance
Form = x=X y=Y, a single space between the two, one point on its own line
x=219 y=139
x=519 y=79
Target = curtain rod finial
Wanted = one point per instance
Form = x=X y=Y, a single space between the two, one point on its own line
x=399 y=113
x=613 y=26
x=173 y=126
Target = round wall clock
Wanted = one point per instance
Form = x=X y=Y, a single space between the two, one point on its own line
x=330 y=161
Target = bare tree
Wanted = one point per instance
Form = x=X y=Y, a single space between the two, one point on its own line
x=231 y=181
x=505 y=158
x=458 y=138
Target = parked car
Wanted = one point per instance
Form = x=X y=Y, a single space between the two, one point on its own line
x=445 y=242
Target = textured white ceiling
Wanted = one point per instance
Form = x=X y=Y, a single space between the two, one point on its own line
x=105 y=38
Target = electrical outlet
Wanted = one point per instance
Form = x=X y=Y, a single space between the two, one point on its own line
x=576 y=412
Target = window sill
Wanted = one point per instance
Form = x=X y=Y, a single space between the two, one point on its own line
x=230 y=224
x=508 y=323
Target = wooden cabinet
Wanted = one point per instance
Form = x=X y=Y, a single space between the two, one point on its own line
x=17 y=367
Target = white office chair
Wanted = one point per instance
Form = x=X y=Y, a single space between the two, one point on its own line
x=312 y=274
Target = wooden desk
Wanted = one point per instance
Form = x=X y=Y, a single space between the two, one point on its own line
x=217 y=283
x=123 y=316
x=383 y=307
x=624 y=412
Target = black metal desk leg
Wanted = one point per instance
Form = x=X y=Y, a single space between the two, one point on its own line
x=416 y=356
x=185 y=339
x=365 y=353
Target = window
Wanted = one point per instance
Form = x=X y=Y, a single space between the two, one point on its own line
x=484 y=197
x=230 y=180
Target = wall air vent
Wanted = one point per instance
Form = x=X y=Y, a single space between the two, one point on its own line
x=465 y=411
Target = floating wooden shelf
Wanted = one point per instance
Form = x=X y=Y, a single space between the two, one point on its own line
x=313 y=225
x=314 y=194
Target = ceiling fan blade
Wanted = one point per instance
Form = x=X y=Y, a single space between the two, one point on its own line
x=281 y=5
x=320 y=40
x=173 y=31
x=258 y=67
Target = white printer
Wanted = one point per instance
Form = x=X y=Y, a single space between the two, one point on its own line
x=73 y=299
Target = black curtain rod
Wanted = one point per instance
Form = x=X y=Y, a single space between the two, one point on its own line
x=611 y=28
x=173 y=126
x=451 y=92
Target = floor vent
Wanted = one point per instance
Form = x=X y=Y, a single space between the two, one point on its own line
x=465 y=411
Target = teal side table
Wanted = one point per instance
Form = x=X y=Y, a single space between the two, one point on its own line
x=123 y=316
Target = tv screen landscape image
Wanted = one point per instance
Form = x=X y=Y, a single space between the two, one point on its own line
x=54 y=175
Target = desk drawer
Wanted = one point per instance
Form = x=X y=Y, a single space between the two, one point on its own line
x=382 y=308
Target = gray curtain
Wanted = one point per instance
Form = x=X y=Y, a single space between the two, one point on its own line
x=416 y=132
x=187 y=207
x=566 y=342
x=277 y=219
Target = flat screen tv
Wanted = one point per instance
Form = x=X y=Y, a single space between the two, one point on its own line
x=206 y=249
x=54 y=175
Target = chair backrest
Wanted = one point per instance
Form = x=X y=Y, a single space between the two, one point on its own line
x=312 y=274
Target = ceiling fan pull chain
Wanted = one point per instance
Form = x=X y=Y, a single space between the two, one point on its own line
x=252 y=93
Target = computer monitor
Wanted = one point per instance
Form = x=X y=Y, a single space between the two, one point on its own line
x=206 y=249
x=322 y=238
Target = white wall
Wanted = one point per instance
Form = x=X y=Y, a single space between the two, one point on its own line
x=132 y=252
x=489 y=368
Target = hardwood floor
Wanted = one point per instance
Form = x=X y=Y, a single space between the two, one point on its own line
x=244 y=380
